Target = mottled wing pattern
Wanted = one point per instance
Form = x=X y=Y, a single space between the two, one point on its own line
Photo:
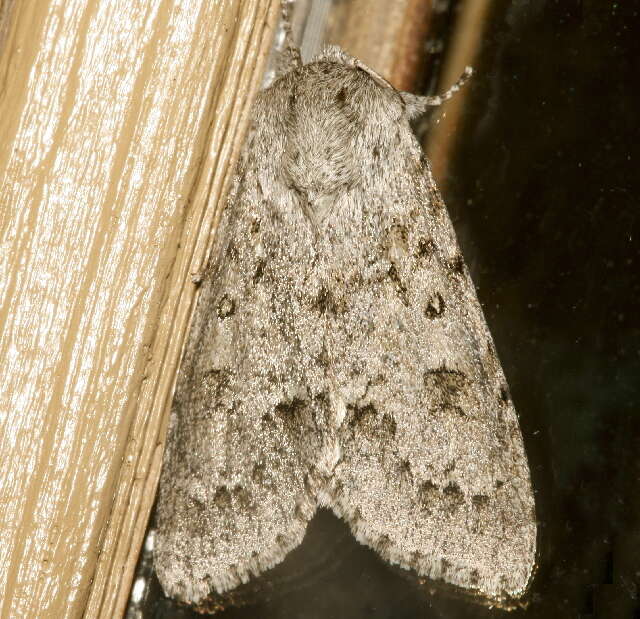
x=238 y=483
x=339 y=354
x=432 y=472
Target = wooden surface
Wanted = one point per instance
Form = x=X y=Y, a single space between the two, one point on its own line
x=118 y=122
x=387 y=36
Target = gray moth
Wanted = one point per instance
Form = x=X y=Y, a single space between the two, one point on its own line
x=339 y=357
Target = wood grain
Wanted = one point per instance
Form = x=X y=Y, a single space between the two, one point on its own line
x=387 y=36
x=120 y=122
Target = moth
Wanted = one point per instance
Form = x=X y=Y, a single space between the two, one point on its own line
x=339 y=357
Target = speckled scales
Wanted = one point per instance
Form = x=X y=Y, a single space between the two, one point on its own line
x=339 y=356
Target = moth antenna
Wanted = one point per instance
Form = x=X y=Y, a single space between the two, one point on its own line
x=289 y=57
x=417 y=105
x=440 y=99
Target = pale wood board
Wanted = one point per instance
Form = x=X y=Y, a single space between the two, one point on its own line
x=120 y=122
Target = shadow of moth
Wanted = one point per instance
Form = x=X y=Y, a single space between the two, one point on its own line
x=339 y=357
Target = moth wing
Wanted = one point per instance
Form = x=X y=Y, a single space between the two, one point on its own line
x=433 y=473
x=236 y=490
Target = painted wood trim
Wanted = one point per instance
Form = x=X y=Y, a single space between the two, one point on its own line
x=120 y=123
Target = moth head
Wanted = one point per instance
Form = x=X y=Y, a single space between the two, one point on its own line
x=341 y=115
x=414 y=105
